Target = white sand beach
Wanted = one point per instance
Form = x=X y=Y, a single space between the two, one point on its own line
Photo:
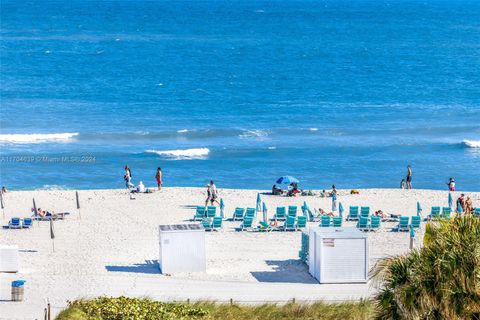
x=113 y=247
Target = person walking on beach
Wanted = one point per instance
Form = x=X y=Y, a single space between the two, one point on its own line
x=209 y=195
x=128 y=177
x=158 y=177
x=451 y=184
x=409 y=177
x=213 y=193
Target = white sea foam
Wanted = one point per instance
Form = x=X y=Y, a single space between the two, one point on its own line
x=185 y=154
x=36 y=138
x=272 y=148
x=183 y=131
x=313 y=129
x=254 y=134
x=472 y=143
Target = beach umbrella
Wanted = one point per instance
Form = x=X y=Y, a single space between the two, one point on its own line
x=2 y=205
x=334 y=202
x=34 y=206
x=450 y=200
x=340 y=209
x=259 y=203
x=419 y=209
x=222 y=208
x=287 y=180
x=52 y=234
x=265 y=213
x=412 y=237
x=78 y=204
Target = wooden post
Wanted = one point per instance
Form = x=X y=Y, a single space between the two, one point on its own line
x=48 y=306
x=412 y=241
x=45 y=314
x=293 y=300
x=231 y=301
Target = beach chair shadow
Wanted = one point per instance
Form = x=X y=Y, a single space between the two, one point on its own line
x=285 y=271
x=149 y=267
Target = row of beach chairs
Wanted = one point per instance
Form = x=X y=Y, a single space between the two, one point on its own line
x=291 y=223
x=19 y=223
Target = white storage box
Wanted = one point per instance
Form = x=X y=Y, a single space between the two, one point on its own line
x=338 y=255
x=8 y=258
x=182 y=248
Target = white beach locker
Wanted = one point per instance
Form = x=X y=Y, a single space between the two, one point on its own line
x=338 y=255
x=182 y=248
x=8 y=258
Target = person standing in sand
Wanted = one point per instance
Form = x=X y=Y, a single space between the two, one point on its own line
x=128 y=177
x=213 y=193
x=409 y=177
x=158 y=177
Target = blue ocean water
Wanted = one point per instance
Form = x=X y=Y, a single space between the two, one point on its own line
x=344 y=92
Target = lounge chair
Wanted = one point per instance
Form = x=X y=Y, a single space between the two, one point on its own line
x=289 y=224
x=27 y=223
x=415 y=222
x=250 y=212
x=281 y=214
x=446 y=211
x=247 y=223
x=337 y=222
x=211 y=211
x=238 y=214
x=207 y=225
x=352 y=213
x=217 y=223
x=325 y=221
x=292 y=211
x=199 y=213
x=435 y=213
x=365 y=212
x=264 y=226
x=374 y=223
x=403 y=224
x=362 y=224
x=15 y=223
x=301 y=222
x=476 y=212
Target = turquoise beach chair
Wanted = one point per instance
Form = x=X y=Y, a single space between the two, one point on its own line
x=415 y=222
x=352 y=213
x=374 y=223
x=301 y=222
x=292 y=211
x=435 y=213
x=27 y=223
x=217 y=223
x=403 y=224
x=362 y=224
x=250 y=212
x=365 y=212
x=337 y=222
x=476 y=212
x=446 y=211
x=207 y=225
x=264 y=226
x=281 y=214
x=247 y=223
x=238 y=214
x=211 y=211
x=325 y=221
x=199 y=213
x=289 y=224
x=15 y=223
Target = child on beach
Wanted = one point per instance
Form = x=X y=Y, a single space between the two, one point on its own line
x=158 y=177
x=403 y=184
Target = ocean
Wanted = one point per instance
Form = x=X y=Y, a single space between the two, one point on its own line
x=243 y=92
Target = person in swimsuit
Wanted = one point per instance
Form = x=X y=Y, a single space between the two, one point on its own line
x=451 y=184
x=213 y=193
x=409 y=177
x=158 y=177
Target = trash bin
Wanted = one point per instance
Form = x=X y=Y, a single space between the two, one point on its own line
x=17 y=290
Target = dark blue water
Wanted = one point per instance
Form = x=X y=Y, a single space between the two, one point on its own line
x=344 y=92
